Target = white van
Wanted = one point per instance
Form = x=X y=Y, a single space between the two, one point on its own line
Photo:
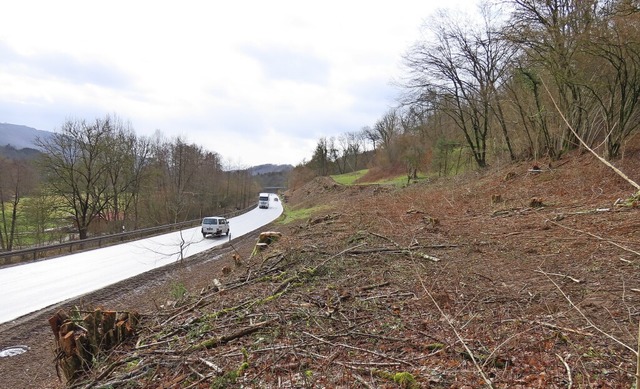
x=214 y=225
x=263 y=200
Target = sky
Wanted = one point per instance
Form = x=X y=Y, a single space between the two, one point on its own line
x=255 y=81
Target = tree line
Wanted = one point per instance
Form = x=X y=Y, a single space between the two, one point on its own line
x=507 y=85
x=100 y=177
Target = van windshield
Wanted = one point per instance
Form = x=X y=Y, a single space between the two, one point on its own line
x=210 y=221
x=264 y=198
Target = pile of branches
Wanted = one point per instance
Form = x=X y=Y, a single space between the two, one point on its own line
x=289 y=318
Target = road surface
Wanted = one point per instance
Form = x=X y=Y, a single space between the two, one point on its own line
x=30 y=287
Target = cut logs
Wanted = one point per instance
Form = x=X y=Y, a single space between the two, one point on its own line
x=79 y=340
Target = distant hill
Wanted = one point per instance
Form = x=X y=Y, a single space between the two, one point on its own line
x=271 y=176
x=270 y=168
x=20 y=137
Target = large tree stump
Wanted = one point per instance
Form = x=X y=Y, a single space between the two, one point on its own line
x=264 y=240
x=79 y=342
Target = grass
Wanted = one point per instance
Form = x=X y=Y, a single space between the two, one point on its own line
x=398 y=181
x=39 y=212
x=349 y=178
x=300 y=214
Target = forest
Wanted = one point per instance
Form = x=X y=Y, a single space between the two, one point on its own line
x=525 y=80
x=99 y=177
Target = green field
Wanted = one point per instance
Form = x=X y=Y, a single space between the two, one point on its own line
x=349 y=178
x=300 y=214
x=38 y=221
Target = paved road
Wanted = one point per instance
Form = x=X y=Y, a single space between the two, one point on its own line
x=30 y=287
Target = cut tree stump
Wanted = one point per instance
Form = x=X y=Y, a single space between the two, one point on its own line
x=269 y=237
x=265 y=239
x=80 y=341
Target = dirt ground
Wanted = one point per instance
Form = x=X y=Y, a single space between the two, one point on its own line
x=508 y=278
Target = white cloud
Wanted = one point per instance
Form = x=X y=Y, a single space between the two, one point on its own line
x=255 y=81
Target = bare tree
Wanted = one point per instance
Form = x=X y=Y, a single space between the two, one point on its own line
x=552 y=35
x=354 y=142
x=461 y=73
x=141 y=153
x=343 y=153
x=371 y=135
x=208 y=184
x=334 y=153
x=124 y=159
x=178 y=163
x=16 y=179
x=185 y=182
x=75 y=166
x=525 y=91
x=387 y=128
x=613 y=79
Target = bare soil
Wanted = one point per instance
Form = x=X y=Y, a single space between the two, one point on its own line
x=507 y=278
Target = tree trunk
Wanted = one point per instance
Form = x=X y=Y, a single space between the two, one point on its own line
x=14 y=218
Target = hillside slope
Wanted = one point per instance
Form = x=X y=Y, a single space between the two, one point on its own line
x=512 y=277
x=20 y=136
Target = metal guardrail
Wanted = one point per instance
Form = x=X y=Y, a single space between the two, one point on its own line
x=36 y=253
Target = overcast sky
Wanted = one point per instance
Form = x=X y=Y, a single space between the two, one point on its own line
x=255 y=81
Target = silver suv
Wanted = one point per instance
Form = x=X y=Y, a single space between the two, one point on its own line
x=214 y=225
